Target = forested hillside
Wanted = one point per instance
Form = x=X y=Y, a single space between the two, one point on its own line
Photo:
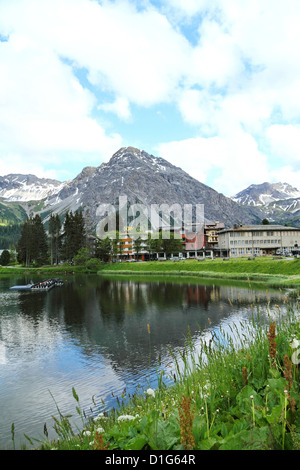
x=9 y=235
x=12 y=217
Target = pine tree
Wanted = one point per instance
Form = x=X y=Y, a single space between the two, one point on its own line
x=33 y=245
x=55 y=238
x=40 y=249
x=103 y=249
x=137 y=246
x=74 y=235
x=25 y=243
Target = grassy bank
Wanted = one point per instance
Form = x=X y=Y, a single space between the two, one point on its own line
x=237 y=390
x=279 y=272
x=51 y=271
x=270 y=272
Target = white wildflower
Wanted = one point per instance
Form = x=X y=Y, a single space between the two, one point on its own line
x=125 y=417
x=101 y=416
x=295 y=344
x=206 y=386
x=150 y=392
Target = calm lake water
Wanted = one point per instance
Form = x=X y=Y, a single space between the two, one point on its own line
x=91 y=334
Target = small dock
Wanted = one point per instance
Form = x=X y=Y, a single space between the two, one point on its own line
x=44 y=285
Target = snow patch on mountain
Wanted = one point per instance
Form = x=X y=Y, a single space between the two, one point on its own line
x=24 y=188
x=266 y=194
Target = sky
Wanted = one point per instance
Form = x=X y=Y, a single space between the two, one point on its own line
x=212 y=86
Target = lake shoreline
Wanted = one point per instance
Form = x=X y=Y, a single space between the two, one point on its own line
x=271 y=281
x=272 y=273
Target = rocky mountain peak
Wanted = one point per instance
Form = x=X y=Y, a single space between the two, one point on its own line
x=266 y=193
x=141 y=177
x=18 y=187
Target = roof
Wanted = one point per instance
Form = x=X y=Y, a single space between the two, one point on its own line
x=262 y=228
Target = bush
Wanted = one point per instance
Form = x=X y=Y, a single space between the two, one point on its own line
x=5 y=258
x=93 y=264
x=82 y=257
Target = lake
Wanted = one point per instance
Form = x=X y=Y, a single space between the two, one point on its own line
x=92 y=334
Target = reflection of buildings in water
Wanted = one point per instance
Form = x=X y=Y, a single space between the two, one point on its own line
x=202 y=295
x=130 y=294
x=107 y=320
x=249 y=296
x=112 y=316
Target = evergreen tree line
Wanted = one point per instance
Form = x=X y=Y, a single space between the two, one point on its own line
x=67 y=241
x=61 y=243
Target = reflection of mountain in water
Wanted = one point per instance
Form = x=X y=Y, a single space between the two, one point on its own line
x=110 y=317
x=92 y=334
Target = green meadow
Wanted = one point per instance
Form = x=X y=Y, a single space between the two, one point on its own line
x=269 y=271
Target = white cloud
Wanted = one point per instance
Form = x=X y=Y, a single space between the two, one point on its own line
x=228 y=163
x=135 y=54
x=241 y=92
x=215 y=61
x=45 y=112
x=284 y=141
x=285 y=174
x=120 y=106
x=237 y=85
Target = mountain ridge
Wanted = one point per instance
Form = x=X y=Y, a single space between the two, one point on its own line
x=278 y=202
x=134 y=173
x=266 y=193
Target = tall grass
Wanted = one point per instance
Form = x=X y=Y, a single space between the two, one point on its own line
x=234 y=389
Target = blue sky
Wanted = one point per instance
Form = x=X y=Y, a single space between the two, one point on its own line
x=210 y=85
